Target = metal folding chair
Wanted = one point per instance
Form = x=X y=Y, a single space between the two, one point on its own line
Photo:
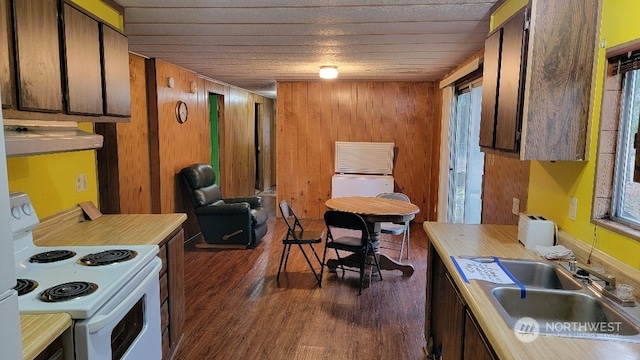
x=297 y=235
x=361 y=245
x=394 y=228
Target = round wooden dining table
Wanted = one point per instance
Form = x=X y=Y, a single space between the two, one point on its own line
x=375 y=210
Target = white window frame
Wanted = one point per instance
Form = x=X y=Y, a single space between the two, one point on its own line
x=602 y=211
x=625 y=158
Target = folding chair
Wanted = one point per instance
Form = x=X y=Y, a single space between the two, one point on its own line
x=297 y=235
x=394 y=228
x=361 y=245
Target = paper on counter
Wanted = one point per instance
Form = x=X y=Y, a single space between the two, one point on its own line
x=488 y=271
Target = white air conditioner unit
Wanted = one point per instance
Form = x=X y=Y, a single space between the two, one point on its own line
x=364 y=158
x=362 y=169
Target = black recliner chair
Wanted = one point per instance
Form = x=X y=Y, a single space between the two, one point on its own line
x=235 y=221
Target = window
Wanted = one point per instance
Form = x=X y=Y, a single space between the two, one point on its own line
x=466 y=161
x=626 y=192
x=616 y=201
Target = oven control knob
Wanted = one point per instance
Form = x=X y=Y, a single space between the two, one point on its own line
x=15 y=211
x=27 y=209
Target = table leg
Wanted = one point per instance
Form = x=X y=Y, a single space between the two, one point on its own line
x=385 y=262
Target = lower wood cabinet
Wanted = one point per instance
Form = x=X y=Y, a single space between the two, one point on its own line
x=451 y=328
x=447 y=309
x=172 y=293
x=59 y=349
x=475 y=344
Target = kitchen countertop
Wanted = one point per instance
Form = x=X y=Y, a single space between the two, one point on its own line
x=499 y=240
x=70 y=228
x=38 y=331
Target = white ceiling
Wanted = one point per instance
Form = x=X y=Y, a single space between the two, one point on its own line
x=254 y=43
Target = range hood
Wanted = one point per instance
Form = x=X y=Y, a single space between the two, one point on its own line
x=32 y=137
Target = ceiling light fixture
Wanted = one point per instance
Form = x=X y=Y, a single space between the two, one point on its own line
x=328 y=72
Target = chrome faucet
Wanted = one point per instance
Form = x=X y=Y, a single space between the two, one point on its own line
x=584 y=271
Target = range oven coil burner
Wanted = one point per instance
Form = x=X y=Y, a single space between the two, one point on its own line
x=68 y=291
x=25 y=286
x=52 y=256
x=107 y=257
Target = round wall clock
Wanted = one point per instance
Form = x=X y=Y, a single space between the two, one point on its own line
x=182 y=111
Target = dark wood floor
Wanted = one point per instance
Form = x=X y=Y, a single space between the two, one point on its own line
x=235 y=309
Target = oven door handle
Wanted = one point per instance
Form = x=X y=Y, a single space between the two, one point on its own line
x=100 y=321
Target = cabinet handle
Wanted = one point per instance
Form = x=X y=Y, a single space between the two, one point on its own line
x=58 y=355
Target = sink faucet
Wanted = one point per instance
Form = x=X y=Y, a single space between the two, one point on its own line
x=584 y=271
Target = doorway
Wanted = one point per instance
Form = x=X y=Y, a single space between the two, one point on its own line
x=256 y=139
x=466 y=160
x=214 y=119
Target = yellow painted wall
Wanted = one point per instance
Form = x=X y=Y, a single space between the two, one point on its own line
x=505 y=11
x=50 y=180
x=103 y=11
x=551 y=185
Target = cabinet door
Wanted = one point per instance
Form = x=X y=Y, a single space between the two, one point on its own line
x=82 y=59
x=475 y=345
x=175 y=272
x=6 y=76
x=38 y=55
x=490 y=73
x=115 y=70
x=510 y=89
x=447 y=314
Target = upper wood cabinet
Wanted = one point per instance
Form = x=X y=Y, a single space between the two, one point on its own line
x=502 y=87
x=67 y=63
x=6 y=73
x=82 y=60
x=537 y=81
x=37 y=55
x=115 y=70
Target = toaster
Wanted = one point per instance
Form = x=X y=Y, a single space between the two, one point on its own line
x=535 y=230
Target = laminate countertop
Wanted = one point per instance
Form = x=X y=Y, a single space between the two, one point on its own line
x=71 y=229
x=500 y=240
x=124 y=229
x=38 y=331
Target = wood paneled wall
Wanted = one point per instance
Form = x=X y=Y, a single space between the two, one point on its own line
x=174 y=145
x=311 y=116
x=504 y=179
x=141 y=159
x=179 y=145
x=124 y=181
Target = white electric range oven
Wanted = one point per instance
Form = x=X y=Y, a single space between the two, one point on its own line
x=111 y=292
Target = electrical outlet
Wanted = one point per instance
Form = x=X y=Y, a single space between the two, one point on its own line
x=81 y=182
x=573 y=208
x=515 y=208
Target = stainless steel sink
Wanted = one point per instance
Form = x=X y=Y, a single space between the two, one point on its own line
x=540 y=274
x=553 y=302
x=563 y=312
